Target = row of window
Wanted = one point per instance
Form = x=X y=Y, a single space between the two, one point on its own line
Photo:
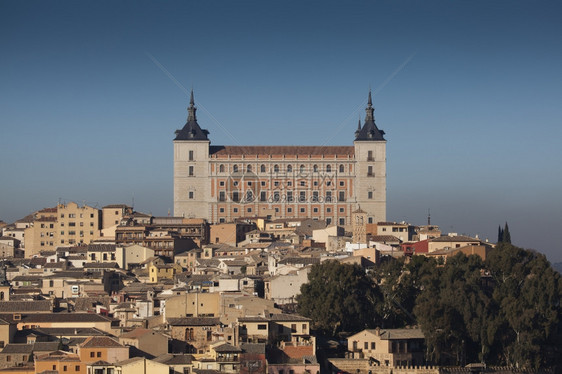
x=191 y=169
x=277 y=169
x=73 y=224
x=73 y=215
x=289 y=183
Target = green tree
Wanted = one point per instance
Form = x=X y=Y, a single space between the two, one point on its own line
x=528 y=292
x=452 y=311
x=339 y=298
x=506 y=236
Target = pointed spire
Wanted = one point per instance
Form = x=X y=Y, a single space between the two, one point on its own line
x=191 y=117
x=359 y=125
x=369 y=110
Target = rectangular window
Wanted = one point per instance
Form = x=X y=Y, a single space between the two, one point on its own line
x=235 y=196
x=342 y=221
x=315 y=210
x=263 y=196
x=370 y=156
x=328 y=196
x=342 y=183
x=314 y=196
x=289 y=196
x=289 y=210
x=341 y=196
x=190 y=194
x=98 y=354
x=191 y=173
x=221 y=183
x=294 y=327
x=92 y=354
x=370 y=171
x=366 y=345
x=262 y=327
x=302 y=196
x=303 y=210
x=222 y=196
x=373 y=345
x=190 y=155
x=370 y=195
x=235 y=210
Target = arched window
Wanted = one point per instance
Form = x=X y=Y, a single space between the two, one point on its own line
x=249 y=168
x=221 y=168
x=342 y=168
x=315 y=168
x=262 y=168
x=276 y=169
x=328 y=168
x=289 y=168
x=235 y=168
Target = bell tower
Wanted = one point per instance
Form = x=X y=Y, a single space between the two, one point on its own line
x=370 y=170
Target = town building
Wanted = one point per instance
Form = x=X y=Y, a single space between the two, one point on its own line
x=224 y=183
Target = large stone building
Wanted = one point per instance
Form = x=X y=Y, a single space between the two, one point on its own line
x=223 y=183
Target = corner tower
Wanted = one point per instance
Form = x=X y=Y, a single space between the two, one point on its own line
x=191 y=168
x=370 y=158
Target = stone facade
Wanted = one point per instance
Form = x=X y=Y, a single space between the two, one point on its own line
x=225 y=183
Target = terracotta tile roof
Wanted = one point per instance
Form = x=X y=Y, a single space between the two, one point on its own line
x=101 y=247
x=289 y=150
x=458 y=238
x=384 y=238
x=100 y=341
x=194 y=321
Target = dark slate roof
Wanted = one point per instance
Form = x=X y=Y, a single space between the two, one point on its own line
x=70 y=331
x=194 y=321
x=369 y=131
x=289 y=317
x=45 y=346
x=191 y=129
x=227 y=348
x=18 y=348
x=174 y=359
x=55 y=317
x=25 y=306
x=256 y=348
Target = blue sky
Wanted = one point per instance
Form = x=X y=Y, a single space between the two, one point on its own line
x=468 y=93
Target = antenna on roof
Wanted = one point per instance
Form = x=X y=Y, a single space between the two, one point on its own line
x=133 y=202
x=428 y=217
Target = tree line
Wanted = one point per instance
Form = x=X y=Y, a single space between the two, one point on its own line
x=501 y=311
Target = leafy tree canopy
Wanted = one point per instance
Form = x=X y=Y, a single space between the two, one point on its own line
x=339 y=298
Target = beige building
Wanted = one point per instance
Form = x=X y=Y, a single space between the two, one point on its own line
x=66 y=225
x=389 y=347
x=111 y=218
x=194 y=304
x=223 y=183
x=451 y=241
